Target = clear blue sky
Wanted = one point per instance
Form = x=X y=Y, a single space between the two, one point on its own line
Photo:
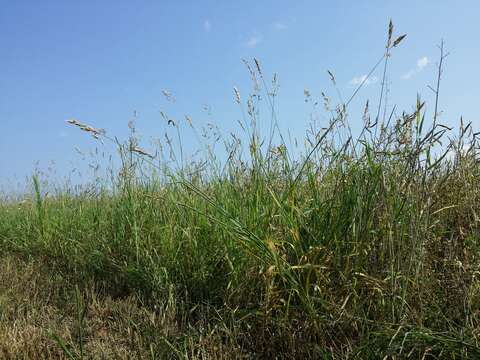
x=99 y=61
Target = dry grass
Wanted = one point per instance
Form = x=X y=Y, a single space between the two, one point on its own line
x=34 y=305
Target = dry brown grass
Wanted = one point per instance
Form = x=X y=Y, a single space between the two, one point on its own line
x=34 y=304
x=33 y=307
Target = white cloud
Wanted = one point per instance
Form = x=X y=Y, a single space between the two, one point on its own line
x=409 y=74
x=279 y=26
x=363 y=79
x=421 y=63
x=207 y=25
x=254 y=41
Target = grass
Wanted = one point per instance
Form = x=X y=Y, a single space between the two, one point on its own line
x=365 y=247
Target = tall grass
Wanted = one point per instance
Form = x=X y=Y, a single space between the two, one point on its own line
x=364 y=247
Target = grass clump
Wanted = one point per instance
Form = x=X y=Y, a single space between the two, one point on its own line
x=365 y=247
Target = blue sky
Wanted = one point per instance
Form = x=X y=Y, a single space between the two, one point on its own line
x=99 y=61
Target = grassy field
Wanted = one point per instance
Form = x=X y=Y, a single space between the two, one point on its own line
x=366 y=246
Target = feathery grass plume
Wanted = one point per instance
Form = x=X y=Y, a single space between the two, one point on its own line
x=399 y=40
x=250 y=107
x=249 y=68
x=390 y=33
x=307 y=94
x=366 y=116
x=332 y=78
x=168 y=95
x=141 y=151
x=257 y=63
x=96 y=133
x=164 y=116
x=237 y=94
x=253 y=75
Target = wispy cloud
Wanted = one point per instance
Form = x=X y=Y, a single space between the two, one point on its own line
x=207 y=26
x=421 y=63
x=254 y=41
x=279 y=26
x=357 y=80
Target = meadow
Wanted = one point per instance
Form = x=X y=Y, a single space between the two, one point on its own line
x=364 y=246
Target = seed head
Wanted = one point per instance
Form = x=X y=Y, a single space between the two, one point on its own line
x=257 y=63
x=237 y=94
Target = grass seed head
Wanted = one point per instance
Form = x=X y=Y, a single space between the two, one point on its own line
x=390 y=33
x=237 y=94
x=257 y=63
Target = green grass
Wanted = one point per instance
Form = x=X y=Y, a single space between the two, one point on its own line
x=366 y=247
